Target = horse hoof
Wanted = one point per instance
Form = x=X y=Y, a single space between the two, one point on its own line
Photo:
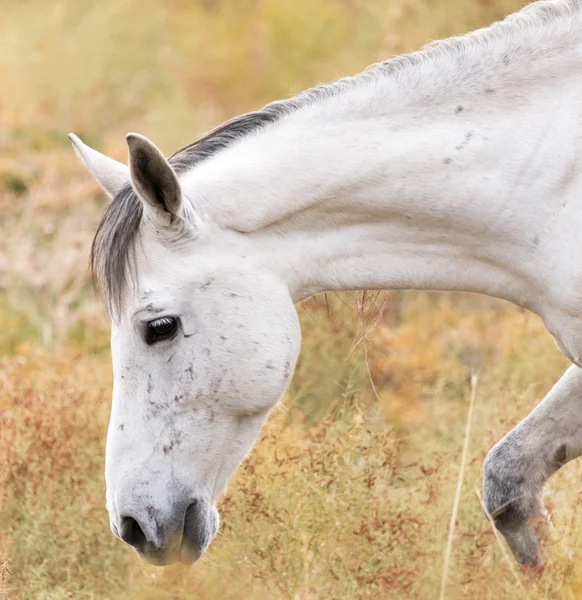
x=523 y=537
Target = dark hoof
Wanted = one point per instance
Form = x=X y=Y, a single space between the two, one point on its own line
x=523 y=535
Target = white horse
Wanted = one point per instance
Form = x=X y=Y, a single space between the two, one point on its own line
x=454 y=168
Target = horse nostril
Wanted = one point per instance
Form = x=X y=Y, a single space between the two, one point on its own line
x=200 y=525
x=131 y=532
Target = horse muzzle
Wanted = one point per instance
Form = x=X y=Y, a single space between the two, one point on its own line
x=162 y=539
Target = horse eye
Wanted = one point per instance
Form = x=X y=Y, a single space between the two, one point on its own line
x=163 y=328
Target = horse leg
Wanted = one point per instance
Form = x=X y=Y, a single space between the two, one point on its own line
x=518 y=466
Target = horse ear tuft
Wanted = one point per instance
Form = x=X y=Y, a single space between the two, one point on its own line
x=109 y=174
x=152 y=176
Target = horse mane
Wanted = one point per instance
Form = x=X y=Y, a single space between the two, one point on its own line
x=113 y=249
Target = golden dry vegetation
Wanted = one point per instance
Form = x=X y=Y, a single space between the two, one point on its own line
x=347 y=494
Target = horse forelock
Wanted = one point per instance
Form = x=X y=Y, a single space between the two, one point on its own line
x=113 y=250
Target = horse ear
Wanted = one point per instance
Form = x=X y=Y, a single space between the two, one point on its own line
x=109 y=174
x=152 y=176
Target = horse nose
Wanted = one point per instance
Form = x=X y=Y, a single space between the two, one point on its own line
x=163 y=538
x=156 y=535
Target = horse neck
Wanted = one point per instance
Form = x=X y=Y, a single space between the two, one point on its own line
x=401 y=182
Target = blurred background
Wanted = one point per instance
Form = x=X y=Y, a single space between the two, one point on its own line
x=349 y=492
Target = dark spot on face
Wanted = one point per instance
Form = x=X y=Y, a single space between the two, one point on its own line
x=170 y=359
x=178 y=397
x=489 y=91
x=468 y=137
x=211 y=416
x=506 y=59
x=536 y=240
x=270 y=365
x=223 y=338
x=154 y=408
x=121 y=427
x=235 y=295
x=207 y=283
x=568 y=177
x=190 y=370
x=448 y=160
x=156 y=311
x=206 y=350
x=150 y=385
x=286 y=373
x=459 y=109
x=174 y=442
x=215 y=387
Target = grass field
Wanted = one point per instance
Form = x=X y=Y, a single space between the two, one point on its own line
x=348 y=494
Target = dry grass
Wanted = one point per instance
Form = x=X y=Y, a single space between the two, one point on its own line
x=349 y=492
